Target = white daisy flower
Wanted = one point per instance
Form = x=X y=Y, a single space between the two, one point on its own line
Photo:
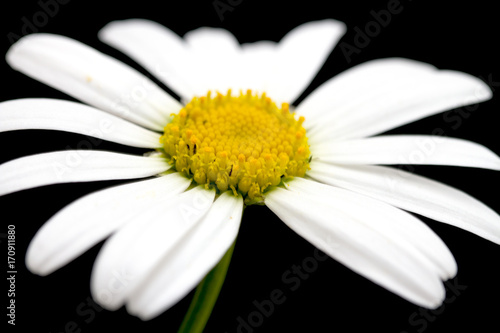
x=232 y=142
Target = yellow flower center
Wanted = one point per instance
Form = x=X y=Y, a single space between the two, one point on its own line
x=245 y=144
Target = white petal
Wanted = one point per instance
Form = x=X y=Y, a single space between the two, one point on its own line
x=430 y=94
x=288 y=68
x=217 y=55
x=188 y=263
x=90 y=219
x=400 y=226
x=357 y=85
x=300 y=55
x=159 y=50
x=257 y=65
x=129 y=256
x=414 y=193
x=342 y=230
x=93 y=78
x=212 y=40
x=54 y=114
x=408 y=149
x=75 y=166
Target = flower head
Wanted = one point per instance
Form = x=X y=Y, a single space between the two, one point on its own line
x=245 y=144
x=232 y=141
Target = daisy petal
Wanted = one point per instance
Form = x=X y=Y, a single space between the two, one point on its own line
x=93 y=78
x=128 y=258
x=415 y=194
x=400 y=226
x=75 y=166
x=177 y=64
x=162 y=52
x=408 y=149
x=357 y=84
x=188 y=263
x=258 y=59
x=300 y=55
x=431 y=94
x=342 y=230
x=54 y=114
x=217 y=55
x=90 y=219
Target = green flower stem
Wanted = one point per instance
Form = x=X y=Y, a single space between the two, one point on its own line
x=205 y=297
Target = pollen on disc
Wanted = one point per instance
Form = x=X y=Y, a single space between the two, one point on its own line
x=242 y=143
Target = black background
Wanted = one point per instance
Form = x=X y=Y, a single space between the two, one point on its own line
x=332 y=298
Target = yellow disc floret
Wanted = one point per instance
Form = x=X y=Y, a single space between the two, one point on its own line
x=241 y=143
